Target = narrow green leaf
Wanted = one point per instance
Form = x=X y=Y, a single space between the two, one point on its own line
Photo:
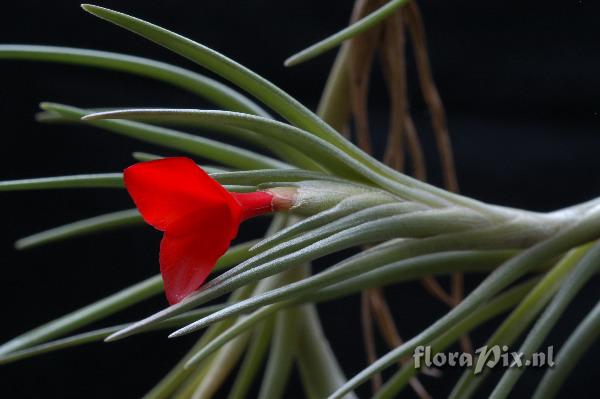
x=443 y=263
x=145 y=156
x=334 y=106
x=240 y=189
x=212 y=170
x=96 y=180
x=242 y=325
x=59 y=344
x=99 y=335
x=347 y=33
x=582 y=272
x=96 y=224
x=86 y=315
x=115 y=180
x=321 y=151
x=179 y=376
x=578 y=344
x=281 y=355
x=245 y=323
x=319 y=370
x=110 y=305
x=257 y=177
x=226 y=154
x=225 y=360
x=520 y=318
x=282 y=150
x=251 y=177
x=234 y=255
x=203 y=86
x=251 y=365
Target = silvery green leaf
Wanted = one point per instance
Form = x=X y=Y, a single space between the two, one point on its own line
x=336 y=39
x=281 y=355
x=201 y=85
x=347 y=206
x=274 y=176
x=99 y=335
x=402 y=270
x=145 y=156
x=109 y=305
x=322 y=152
x=244 y=323
x=251 y=365
x=577 y=345
x=96 y=180
x=210 y=149
x=92 y=225
x=587 y=267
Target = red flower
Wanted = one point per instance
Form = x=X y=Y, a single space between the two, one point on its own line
x=198 y=216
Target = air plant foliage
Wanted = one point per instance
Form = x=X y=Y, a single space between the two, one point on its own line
x=333 y=196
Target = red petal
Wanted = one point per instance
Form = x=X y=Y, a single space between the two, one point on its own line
x=167 y=191
x=199 y=218
x=186 y=260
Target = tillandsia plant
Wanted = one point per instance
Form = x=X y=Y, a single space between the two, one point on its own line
x=325 y=195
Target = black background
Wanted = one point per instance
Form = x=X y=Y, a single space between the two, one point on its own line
x=520 y=82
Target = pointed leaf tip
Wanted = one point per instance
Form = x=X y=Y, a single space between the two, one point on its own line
x=181 y=332
x=115 y=114
x=89 y=7
x=115 y=336
x=174 y=334
x=356 y=28
x=100 y=12
x=92 y=117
